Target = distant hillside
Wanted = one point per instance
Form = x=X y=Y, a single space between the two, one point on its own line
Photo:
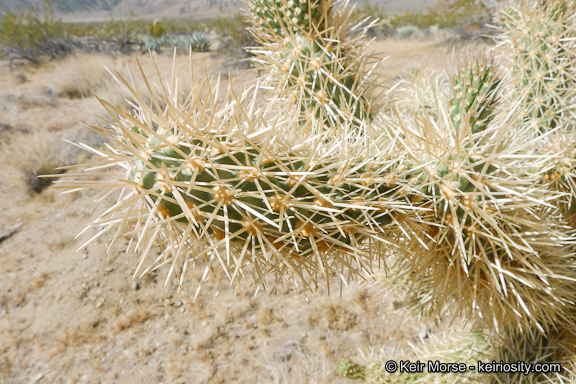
x=96 y=10
x=64 y=6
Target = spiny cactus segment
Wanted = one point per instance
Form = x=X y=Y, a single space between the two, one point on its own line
x=557 y=154
x=351 y=370
x=312 y=185
x=422 y=92
x=326 y=72
x=539 y=36
x=556 y=347
x=489 y=243
x=229 y=179
x=474 y=98
x=283 y=17
x=462 y=346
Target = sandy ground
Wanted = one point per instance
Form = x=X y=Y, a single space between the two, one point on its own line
x=78 y=317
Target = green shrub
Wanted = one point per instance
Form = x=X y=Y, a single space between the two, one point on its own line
x=407 y=31
x=156 y=29
x=33 y=34
x=199 y=41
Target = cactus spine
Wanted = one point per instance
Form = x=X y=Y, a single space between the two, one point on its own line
x=317 y=60
x=474 y=98
x=285 y=16
x=312 y=185
x=539 y=36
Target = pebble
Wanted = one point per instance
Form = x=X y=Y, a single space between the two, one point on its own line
x=135 y=285
x=178 y=304
x=37 y=378
x=108 y=269
x=97 y=284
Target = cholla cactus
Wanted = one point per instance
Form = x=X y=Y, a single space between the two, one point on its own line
x=311 y=185
x=351 y=370
x=539 y=36
x=461 y=346
x=555 y=347
x=284 y=16
x=321 y=65
x=228 y=179
x=475 y=90
x=422 y=91
x=490 y=243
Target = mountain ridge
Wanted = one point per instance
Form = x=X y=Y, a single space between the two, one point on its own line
x=99 y=10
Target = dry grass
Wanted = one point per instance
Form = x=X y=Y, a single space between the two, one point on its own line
x=293 y=365
x=83 y=75
x=89 y=75
x=333 y=316
x=33 y=155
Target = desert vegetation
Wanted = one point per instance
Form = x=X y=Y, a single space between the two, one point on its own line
x=312 y=218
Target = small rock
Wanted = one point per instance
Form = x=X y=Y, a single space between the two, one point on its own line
x=108 y=269
x=37 y=378
x=135 y=285
x=182 y=310
x=178 y=304
x=204 y=323
x=97 y=284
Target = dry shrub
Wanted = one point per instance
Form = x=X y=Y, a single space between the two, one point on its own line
x=85 y=75
x=36 y=154
x=289 y=363
x=333 y=316
x=82 y=75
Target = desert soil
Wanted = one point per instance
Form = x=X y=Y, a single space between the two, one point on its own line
x=79 y=317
